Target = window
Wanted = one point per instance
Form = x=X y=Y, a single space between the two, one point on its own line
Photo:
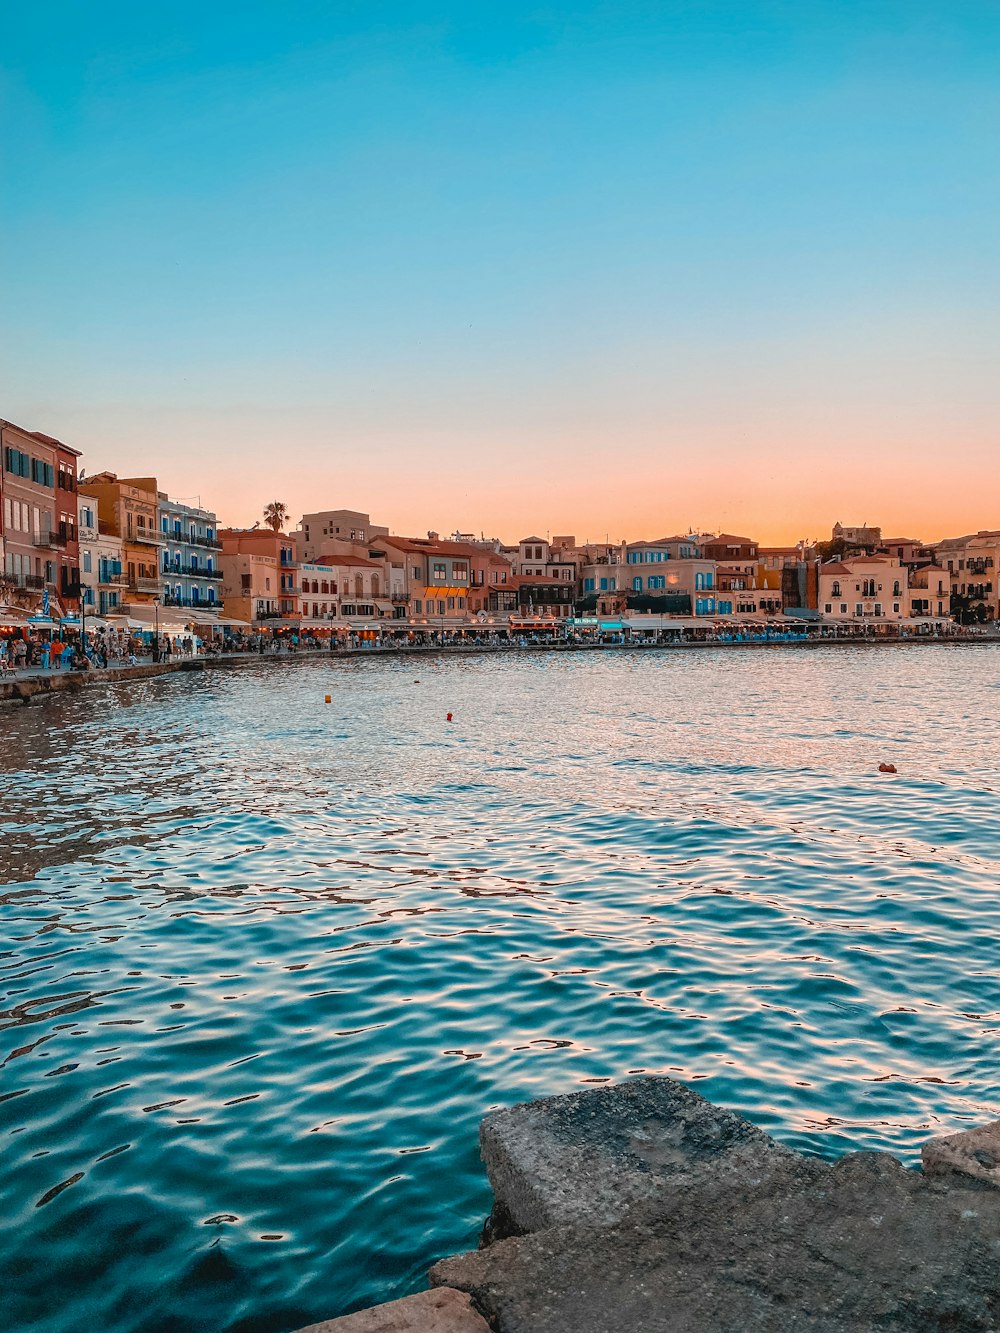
x=588 y=585
x=87 y=562
x=843 y=608
x=835 y=590
x=656 y=581
x=828 y=609
x=418 y=605
x=439 y=570
x=895 y=607
x=440 y=607
x=604 y=585
x=859 y=609
x=637 y=583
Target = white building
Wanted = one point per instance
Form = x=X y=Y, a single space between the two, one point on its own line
x=102 y=578
x=189 y=558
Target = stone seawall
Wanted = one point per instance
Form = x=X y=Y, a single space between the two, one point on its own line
x=640 y=1207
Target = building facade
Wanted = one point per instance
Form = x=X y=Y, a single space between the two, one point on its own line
x=864 y=588
x=973 y=565
x=657 y=576
x=189 y=557
x=259 y=577
x=38 y=519
x=102 y=573
x=127 y=509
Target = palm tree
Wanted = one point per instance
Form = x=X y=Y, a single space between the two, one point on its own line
x=275 y=514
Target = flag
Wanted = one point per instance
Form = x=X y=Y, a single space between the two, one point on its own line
x=45 y=602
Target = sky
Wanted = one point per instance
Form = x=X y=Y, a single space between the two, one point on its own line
x=611 y=269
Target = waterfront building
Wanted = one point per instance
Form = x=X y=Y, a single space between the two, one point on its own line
x=102 y=570
x=38 y=519
x=542 y=598
x=747 y=592
x=973 y=562
x=864 y=588
x=348 y=589
x=259 y=577
x=930 y=591
x=127 y=508
x=437 y=577
x=189 y=559
x=657 y=576
x=492 y=584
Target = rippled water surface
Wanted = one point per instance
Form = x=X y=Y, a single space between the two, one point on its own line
x=267 y=962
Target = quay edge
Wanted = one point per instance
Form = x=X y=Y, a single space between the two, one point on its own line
x=25 y=689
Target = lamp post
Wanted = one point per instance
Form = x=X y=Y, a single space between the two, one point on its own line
x=156 y=629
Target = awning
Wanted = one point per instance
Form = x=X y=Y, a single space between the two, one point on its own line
x=126 y=622
x=446 y=592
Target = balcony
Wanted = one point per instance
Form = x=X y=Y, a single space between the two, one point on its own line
x=144 y=585
x=210 y=542
x=398 y=596
x=146 y=537
x=24 y=581
x=55 y=538
x=191 y=571
x=199 y=603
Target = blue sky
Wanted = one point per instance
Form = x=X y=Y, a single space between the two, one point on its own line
x=592 y=267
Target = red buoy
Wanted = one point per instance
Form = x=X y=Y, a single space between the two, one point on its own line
x=449 y=717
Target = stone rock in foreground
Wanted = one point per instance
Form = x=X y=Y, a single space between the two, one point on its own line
x=970 y=1156
x=438 y=1311
x=861 y=1246
x=592 y=1158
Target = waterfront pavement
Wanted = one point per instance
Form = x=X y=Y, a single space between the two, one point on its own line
x=642 y=1208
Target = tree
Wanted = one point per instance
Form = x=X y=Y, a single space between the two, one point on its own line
x=275 y=514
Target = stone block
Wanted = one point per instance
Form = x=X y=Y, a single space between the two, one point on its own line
x=592 y=1158
x=440 y=1311
x=971 y=1155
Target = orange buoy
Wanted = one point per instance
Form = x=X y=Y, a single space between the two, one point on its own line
x=328 y=699
x=887 y=768
x=449 y=717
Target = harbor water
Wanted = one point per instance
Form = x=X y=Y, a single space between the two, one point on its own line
x=267 y=961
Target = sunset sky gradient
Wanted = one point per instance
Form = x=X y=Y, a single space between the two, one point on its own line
x=602 y=268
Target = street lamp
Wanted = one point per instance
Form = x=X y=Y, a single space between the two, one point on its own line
x=156 y=629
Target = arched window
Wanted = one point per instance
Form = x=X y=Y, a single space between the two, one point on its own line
x=324 y=586
x=359 y=587
x=895 y=588
x=374 y=585
x=835 y=590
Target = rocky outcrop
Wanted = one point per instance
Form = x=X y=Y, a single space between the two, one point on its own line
x=642 y=1208
x=645 y=1209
